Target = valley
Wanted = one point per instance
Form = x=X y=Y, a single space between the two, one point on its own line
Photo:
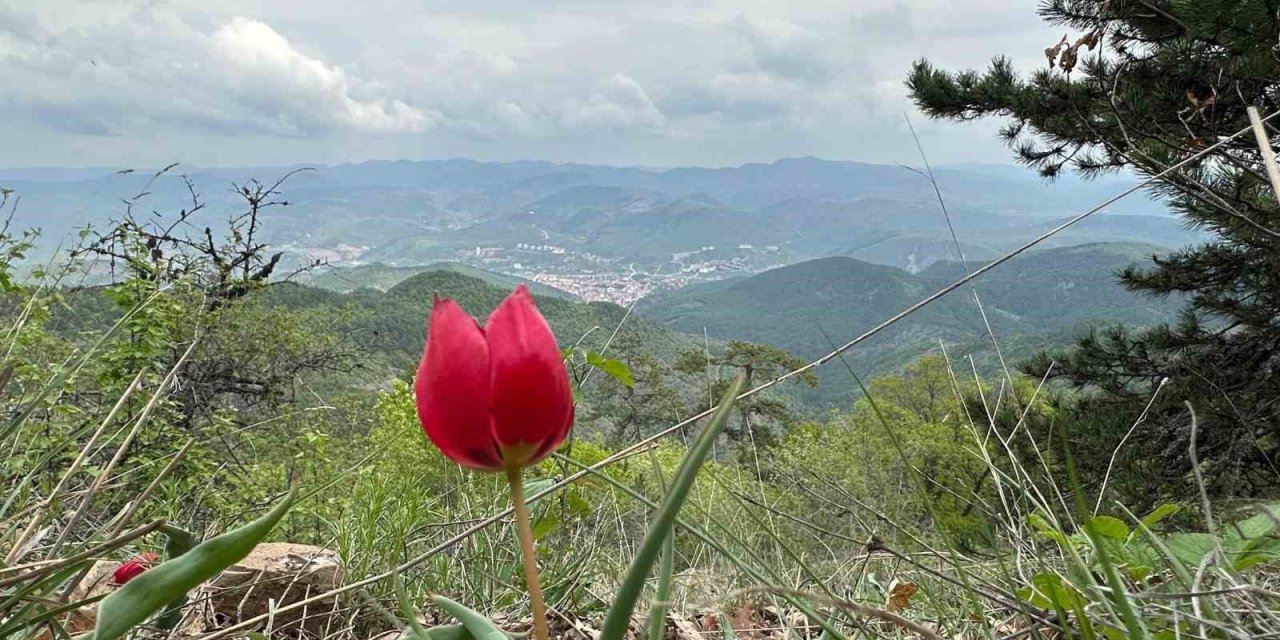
x=591 y=228
x=799 y=253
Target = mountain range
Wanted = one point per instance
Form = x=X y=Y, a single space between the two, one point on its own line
x=408 y=213
x=1041 y=299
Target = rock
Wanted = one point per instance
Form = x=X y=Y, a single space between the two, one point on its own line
x=98 y=581
x=276 y=574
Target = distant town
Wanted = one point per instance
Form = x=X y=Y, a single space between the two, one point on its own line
x=597 y=278
x=586 y=275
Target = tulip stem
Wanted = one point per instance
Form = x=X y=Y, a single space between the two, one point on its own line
x=524 y=527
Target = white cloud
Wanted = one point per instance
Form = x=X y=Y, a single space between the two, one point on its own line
x=698 y=81
x=786 y=50
x=617 y=103
x=244 y=77
x=305 y=93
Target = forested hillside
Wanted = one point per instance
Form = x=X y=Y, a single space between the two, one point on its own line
x=1037 y=301
x=383 y=277
x=391 y=324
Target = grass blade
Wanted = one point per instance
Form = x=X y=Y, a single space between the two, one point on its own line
x=726 y=628
x=624 y=604
x=666 y=571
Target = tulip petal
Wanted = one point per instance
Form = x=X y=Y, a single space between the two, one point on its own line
x=453 y=389
x=532 y=399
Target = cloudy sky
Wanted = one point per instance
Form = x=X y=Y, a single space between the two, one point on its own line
x=653 y=82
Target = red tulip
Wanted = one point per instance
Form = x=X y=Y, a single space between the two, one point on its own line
x=134 y=567
x=498 y=397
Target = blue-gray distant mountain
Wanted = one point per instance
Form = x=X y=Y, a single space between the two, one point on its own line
x=413 y=213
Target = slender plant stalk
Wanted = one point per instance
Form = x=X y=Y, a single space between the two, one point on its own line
x=524 y=526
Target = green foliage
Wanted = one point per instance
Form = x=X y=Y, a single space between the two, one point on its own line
x=383 y=277
x=761 y=418
x=616 y=369
x=622 y=413
x=291 y=386
x=1144 y=562
x=392 y=325
x=480 y=627
x=177 y=543
x=925 y=410
x=1142 y=87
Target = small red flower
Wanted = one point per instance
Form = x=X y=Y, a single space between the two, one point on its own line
x=497 y=397
x=134 y=567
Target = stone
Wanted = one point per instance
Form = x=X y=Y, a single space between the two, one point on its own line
x=98 y=581
x=276 y=574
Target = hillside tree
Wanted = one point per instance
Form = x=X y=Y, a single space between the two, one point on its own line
x=1139 y=86
x=762 y=417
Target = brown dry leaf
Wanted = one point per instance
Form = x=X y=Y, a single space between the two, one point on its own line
x=710 y=621
x=1068 y=61
x=1201 y=97
x=586 y=630
x=900 y=595
x=685 y=629
x=1051 y=54
x=744 y=620
x=1089 y=40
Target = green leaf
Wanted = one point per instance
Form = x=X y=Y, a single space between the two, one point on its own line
x=415 y=629
x=1047 y=530
x=1248 y=561
x=481 y=627
x=759 y=573
x=1160 y=513
x=444 y=632
x=1189 y=548
x=455 y=632
x=1253 y=528
x=617 y=369
x=1027 y=594
x=132 y=604
x=1120 y=599
x=578 y=506
x=1138 y=573
x=1050 y=591
x=179 y=541
x=618 y=619
x=1109 y=527
x=548 y=523
x=1040 y=524
x=535 y=486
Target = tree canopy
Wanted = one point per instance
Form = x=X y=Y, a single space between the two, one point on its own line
x=1141 y=86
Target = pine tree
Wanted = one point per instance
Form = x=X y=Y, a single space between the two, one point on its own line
x=1141 y=85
